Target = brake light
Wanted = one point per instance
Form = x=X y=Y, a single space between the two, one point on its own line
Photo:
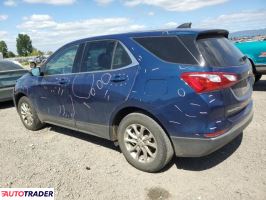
x=214 y=134
x=209 y=81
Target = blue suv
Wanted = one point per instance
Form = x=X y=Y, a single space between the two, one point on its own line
x=157 y=93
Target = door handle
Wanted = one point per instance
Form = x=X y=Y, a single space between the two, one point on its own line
x=118 y=78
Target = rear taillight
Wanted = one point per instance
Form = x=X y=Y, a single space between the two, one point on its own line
x=209 y=81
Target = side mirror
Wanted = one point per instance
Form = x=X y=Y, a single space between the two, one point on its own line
x=36 y=71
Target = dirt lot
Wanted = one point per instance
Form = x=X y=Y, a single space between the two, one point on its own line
x=79 y=166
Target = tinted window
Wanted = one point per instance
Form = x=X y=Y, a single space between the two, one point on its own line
x=98 y=55
x=219 y=52
x=63 y=62
x=121 y=58
x=170 y=49
x=8 y=65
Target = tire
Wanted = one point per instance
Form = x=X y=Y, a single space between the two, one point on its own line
x=28 y=114
x=257 y=77
x=139 y=133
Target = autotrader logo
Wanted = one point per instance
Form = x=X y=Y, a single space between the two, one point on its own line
x=27 y=193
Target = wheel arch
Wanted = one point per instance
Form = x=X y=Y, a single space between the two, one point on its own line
x=253 y=65
x=17 y=97
x=124 y=112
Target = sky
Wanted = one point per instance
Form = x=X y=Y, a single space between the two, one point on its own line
x=53 y=23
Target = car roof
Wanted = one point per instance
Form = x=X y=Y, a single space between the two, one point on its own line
x=178 y=31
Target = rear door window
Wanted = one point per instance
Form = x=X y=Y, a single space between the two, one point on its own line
x=220 y=52
x=98 y=56
x=121 y=58
x=170 y=49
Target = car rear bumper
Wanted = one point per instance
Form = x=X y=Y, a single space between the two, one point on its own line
x=6 y=94
x=261 y=68
x=198 y=147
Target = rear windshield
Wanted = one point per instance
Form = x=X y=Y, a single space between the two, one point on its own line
x=7 y=65
x=170 y=49
x=220 y=52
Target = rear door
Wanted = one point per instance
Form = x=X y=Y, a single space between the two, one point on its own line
x=105 y=80
x=222 y=56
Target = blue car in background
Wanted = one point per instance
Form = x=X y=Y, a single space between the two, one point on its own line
x=256 y=52
x=157 y=93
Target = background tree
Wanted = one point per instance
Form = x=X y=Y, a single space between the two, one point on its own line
x=49 y=53
x=36 y=52
x=24 y=45
x=10 y=54
x=3 y=49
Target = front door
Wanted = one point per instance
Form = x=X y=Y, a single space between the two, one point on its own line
x=55 y=104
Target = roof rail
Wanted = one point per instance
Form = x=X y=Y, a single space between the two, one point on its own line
x=185 y=25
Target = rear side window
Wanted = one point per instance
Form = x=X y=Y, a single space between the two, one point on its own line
x=220 y=52
x=104 y=55
x=169 y=49
x=98 y=55
x=121 y=58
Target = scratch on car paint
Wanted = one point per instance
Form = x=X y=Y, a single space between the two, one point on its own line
x=178 y=108
x=174 y=122
x=181 y=92
x=131 y=87
x=194 y=104
x=212 y=100
x=64 y=110
x=107 y=81
x=192 y=116
x=203 y=113
x=154 y=69
x=106 y=93
x=92 y=92
x=213 y=128
x=82 y=97
x=182 y=67
x=218 y=122
x=87 y=105
x=72 y=102
x=99 y=84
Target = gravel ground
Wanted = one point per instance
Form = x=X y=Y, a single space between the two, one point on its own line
x=79 y=166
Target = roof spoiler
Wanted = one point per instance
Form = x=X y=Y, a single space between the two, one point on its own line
x=212 y=33
x=185 y=25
